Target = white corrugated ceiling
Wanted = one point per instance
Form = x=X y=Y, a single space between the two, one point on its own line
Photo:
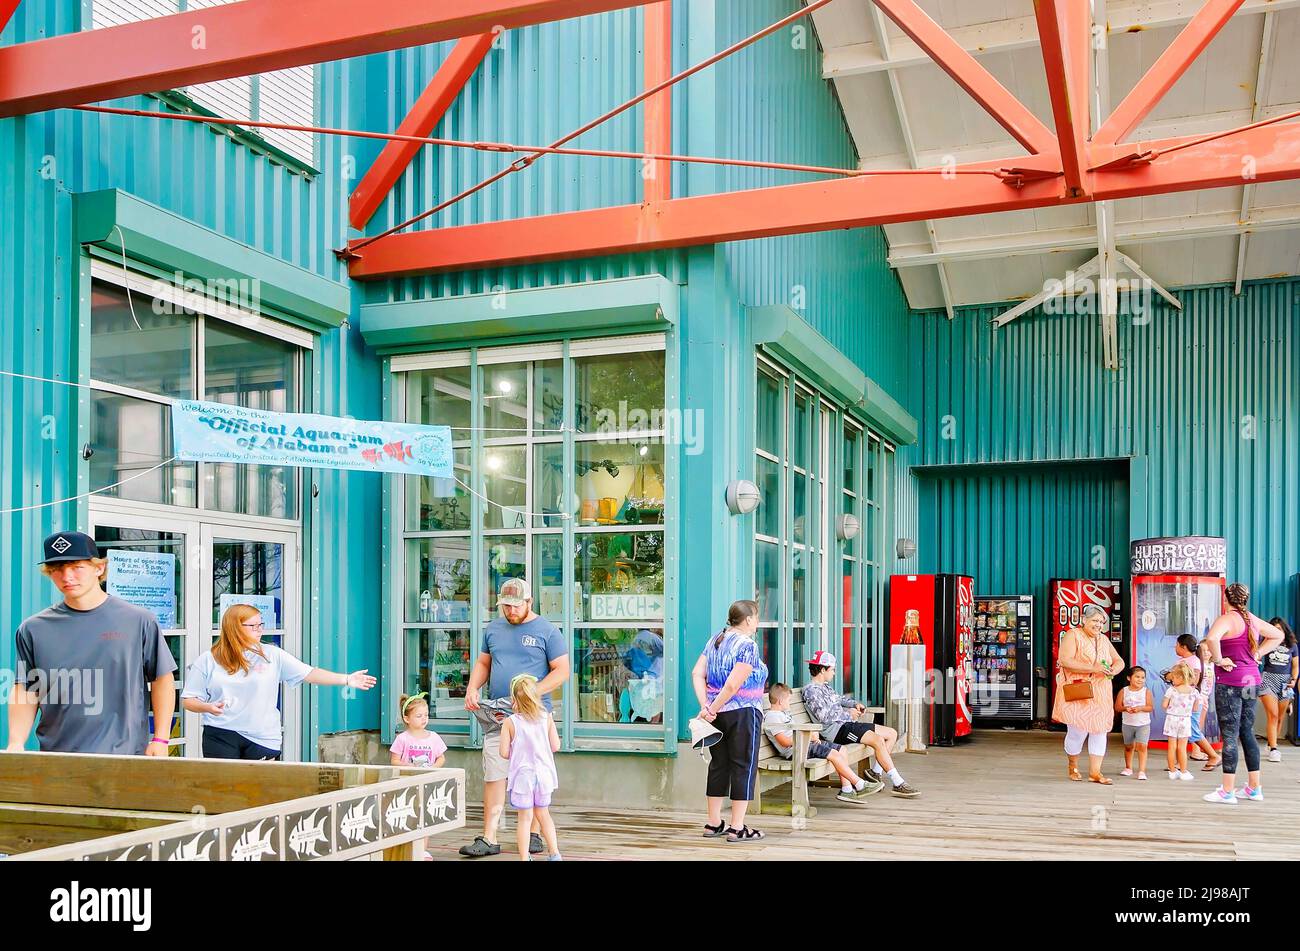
x=904 y=111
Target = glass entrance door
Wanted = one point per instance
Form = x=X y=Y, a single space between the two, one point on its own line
x=259 y=568
x=152 y=562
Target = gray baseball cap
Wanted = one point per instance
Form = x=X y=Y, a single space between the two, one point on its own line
x=515 y=593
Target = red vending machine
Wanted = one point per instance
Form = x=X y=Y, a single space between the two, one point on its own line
x=931 y=618
x=1177 y=589
x=1066 y=598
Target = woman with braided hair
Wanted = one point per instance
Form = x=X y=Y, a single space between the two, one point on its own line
x=1237 y=639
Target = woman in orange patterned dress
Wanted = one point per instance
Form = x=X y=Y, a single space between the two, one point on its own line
x=1086 y=654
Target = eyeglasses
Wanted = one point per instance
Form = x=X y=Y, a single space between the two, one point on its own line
x=257 y=625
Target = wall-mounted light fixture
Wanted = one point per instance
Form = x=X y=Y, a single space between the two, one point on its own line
x=906 y=548
x=846 y=527
x=743 y=497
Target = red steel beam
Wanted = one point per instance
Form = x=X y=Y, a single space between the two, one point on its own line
x=1166 y=70
x=1009 y=111
x=1270 y=153
x=7 y=8
x=240 y=39
x=423 y=118
x=1266 y=154
x=682 y=222
x=1064 y=31
x=657 y=177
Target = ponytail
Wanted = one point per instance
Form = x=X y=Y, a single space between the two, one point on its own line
x=1238 y=596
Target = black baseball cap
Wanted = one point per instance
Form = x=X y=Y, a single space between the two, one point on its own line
x=69 y=546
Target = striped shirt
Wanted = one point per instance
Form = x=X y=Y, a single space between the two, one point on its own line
x=721 y=660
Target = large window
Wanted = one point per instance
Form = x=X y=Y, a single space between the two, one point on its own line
x=285 y=96
x=152 y=345
x=561 y=479
x=817 y=468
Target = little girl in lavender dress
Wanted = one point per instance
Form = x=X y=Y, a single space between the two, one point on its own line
x=529 y=742
x=1179 y=703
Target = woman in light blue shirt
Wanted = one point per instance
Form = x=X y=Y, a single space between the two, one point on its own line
x=236 y=686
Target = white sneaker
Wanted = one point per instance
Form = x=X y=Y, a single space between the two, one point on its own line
x=1186 y=776
x=1226 y=798
x=1173 y=774
x=1275 y=755
x=1142 y=776
x=1126 y=771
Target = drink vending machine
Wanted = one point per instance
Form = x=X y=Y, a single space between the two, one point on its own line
x=1066 y=598
x=931 y=621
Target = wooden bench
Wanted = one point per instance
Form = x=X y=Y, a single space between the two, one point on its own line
x=800 y=769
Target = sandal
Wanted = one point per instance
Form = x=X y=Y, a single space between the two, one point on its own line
x=1212 y=765
x=743 y=834
x=1100 y=780
x=712 y=832
x=1075 y=776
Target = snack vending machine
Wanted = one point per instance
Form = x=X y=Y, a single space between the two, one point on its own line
x=930 y=629
x=1003 y=660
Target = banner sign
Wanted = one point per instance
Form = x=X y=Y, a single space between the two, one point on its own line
x=146 y=579
x=264 y=603
x=1194 y=555
x=219 y=432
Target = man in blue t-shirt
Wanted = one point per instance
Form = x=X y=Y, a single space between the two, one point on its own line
x=518 y=642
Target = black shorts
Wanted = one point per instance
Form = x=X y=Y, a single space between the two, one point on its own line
x=853 y=731
x=733 y=760
x=227 y=744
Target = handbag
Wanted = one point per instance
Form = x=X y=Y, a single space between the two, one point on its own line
x=1077 y=690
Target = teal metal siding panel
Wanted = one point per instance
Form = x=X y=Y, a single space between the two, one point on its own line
x=205 y=176
x=1017 y=529
x=1207 y=398
x=774 y=105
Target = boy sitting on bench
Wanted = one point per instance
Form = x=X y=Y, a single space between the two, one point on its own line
x=839 y=714
x=852 y=788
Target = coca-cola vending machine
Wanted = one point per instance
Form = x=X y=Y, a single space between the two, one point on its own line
x=931 y=621
x=1066 y=598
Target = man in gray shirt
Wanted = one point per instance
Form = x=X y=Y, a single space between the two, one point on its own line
x=518 y=642
x=88 y=663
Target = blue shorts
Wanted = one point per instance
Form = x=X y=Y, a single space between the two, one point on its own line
x=1196 y=728
x=820 y=749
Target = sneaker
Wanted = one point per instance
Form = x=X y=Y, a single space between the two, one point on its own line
x=535 y=844
x=1275 y=755
x=1173 y=773
x=1142 y=776
x=555 y=858
x=479 y=848
x=906 y=791
x=1227 y=798
x=1186 y=776
x=859 y=795
x=1254 y=795
x=1126 y=771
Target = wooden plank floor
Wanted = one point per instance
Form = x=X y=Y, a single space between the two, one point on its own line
x=1004 y=795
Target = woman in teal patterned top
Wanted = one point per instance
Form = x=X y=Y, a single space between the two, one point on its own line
x=730 y=678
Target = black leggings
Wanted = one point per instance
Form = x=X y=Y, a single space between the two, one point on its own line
x=227 y=744
x=1236 y=709
x=733 y=760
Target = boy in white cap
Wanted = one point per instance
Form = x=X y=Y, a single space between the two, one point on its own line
x=838 y=714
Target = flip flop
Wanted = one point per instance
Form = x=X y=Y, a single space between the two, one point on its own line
x=1212 y=766
x=1101 y=780
x=1074 y=776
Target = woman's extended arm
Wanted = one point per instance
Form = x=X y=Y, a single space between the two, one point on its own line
x=358 y=679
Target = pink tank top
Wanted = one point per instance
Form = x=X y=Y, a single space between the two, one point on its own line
x=1246 y=673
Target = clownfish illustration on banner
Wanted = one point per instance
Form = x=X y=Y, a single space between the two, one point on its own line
x=399 y=451
x=372 y=456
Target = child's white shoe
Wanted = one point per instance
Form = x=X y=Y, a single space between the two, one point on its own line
x=1126 y=771
x=1142 y=776
x=1173 y=774
x=1186 y=776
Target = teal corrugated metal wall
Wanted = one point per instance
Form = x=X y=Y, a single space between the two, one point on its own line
x=210 y=179
x=1015 y=530
x=1206 y=401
